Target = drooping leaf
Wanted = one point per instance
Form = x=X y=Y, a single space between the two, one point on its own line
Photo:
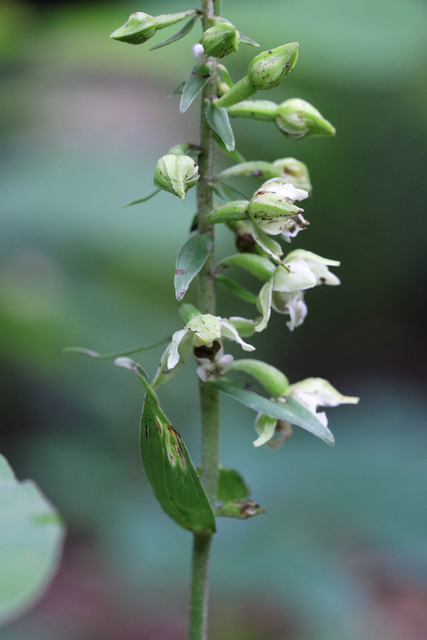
x=246 y=40
x=31 y=536
x=218 y=119
x=231 y=485
x=171 y=472
x=291 y=410
x=198 y=78
x=190 y=260
x=177 y=36
x=130 y=204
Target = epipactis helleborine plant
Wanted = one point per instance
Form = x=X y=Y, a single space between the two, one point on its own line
x=193 y=498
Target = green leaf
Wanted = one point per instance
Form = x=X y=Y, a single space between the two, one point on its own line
x=177 y=36
x=231 y=485
x=218 y=119
x=31 y=536
x=178 y=90
x=233 y=155
x=274 y=381
x=227 y=193
x=130 y=204
x=246 y=40
x=190 y=260
x=291 y=410
x=236 y=289
x=198 y=78
x=171 y=472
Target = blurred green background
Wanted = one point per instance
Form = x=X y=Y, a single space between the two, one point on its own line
x=342 y=551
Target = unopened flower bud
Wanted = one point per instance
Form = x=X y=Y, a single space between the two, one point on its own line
x=176 y=174
x=267 y=70
x=221 y=39
x=294 y=171
x=297 y=118
x=141 y=26
x=273 y=204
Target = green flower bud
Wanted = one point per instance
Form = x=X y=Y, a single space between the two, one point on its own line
x=176 y=174
x=221 y=39
x=273 y=380
x=141 y=26
x=297 y=118
x=294 y=171
x=267 y=70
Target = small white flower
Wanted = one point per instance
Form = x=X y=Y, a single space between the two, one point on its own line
x=317 y=392
x=210 y=369
x=199 y=52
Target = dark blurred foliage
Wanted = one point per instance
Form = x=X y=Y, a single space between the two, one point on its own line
x=341 y=553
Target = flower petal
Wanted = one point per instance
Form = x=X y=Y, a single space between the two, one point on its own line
x=230 y=332
x=294 y=276
x=265 y=426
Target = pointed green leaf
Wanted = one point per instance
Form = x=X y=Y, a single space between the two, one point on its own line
x=198 y=78
x=291 y=410
x=226 y=76
x=246 y=40
x=236 y=289
x=227 y=193
x=190 y=260
x=130 y=204
x=178 y=90
x=218 y=119
x=31 y=536
x=233 y=155
x=177 y=36
x=231 y=485
x=171 y=472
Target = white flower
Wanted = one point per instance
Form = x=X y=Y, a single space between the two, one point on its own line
x=300 y=270
x=312 y=393
x=203 y=330
x=211 y=368
x=317 y=392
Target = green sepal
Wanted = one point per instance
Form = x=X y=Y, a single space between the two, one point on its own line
x=256 y=265
x=197 y=80
x=130 y=204
x=285 y=409
x=219 y=121
x=236 y=289
x=227 y=193
x=187 y=312
x=171 y=472
x=297 y=118
x=246 y=40
x=31 y=537
x=264 y=305
x=274 y=381
x=243 y=326
x=190 y=260
x=241 y=509
x=229 y=212
x=177 y=36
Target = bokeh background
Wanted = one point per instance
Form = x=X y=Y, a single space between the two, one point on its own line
x=342 y=551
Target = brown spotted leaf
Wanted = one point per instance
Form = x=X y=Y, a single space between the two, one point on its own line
x=171 y=472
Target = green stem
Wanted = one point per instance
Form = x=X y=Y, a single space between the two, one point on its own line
x=209 y=397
